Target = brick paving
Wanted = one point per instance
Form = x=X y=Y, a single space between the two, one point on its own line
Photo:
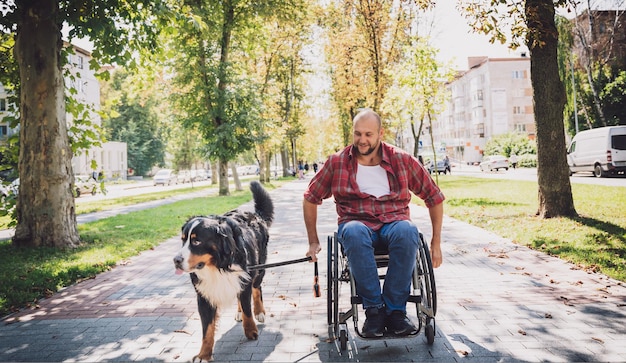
x=497 y=302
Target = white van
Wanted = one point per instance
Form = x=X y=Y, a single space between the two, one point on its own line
x=601 y=151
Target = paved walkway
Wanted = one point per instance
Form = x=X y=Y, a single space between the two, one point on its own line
x=497 y=302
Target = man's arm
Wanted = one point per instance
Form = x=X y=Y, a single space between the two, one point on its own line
x=436 y=219
x=310 y=221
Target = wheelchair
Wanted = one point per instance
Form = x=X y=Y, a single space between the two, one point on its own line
x=423 y=292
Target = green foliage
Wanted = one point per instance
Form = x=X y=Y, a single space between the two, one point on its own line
x=527 y=161
x=216 y=92
x=613 y=96
x=131 y=114
x=510 y=143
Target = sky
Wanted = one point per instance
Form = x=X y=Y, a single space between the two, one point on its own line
x=456 y=40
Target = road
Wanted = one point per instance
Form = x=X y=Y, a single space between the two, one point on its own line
x=530 y=174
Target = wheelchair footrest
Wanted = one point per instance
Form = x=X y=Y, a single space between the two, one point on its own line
x=412 y=298
x=415 y=299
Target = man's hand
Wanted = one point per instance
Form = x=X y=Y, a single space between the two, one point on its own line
x=435 y=255
x=314 y=249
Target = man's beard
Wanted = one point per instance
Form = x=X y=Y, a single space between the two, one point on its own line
x=368 y=152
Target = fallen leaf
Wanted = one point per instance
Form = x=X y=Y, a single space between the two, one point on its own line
x=598 y=340
x=182 y=331
x=462 y=352
x=521 y=332
x=548 y=316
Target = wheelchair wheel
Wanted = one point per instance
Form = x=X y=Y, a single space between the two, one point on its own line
x=343 y=339
x=427 y=308
x=333 y=288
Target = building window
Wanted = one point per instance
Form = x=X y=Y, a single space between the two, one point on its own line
x=3 y=130
x=79 y=64
x=518 y=110
x=3 y=104
x=520 y=128
x=518 y=74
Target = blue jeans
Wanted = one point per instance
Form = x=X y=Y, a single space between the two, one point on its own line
x=400 y=238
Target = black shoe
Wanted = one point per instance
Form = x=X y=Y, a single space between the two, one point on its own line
x=399 y=324
x=374 y=325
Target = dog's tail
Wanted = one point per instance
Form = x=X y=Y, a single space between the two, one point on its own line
x=263 y=204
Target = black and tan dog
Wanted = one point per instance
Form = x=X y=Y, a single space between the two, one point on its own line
x=217 y=251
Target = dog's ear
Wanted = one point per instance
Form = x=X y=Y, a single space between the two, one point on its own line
x=228 y=244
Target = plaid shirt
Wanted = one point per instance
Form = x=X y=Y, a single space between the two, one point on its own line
x=337 y=178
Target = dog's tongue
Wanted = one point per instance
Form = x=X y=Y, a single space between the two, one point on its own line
x=179 y=271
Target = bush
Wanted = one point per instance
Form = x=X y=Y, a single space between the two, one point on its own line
x=527 y=161
x=511 y=143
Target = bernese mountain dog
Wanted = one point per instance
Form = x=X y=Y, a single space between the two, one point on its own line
x=216 y=252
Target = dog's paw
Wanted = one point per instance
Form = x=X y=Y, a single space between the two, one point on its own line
x=239 y=316
x=202 y=358
x=260 y=317
x=252 y=334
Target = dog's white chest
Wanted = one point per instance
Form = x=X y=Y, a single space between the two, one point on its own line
x=221 y=288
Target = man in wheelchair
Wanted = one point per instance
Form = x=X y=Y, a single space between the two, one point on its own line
x=371 y=182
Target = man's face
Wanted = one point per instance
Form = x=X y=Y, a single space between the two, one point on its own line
x=366 y=136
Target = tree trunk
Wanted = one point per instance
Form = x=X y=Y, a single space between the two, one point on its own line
x=45 y=206
x=555 y=192
x=223 y=188
x=284 y=158
x=233 y=169
x=215 y=172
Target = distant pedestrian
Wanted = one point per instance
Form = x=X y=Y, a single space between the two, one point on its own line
x=300 y=170
x=315 y=166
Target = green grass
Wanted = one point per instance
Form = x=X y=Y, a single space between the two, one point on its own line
x=30 y=274
x=108 y=204
x=596 y=240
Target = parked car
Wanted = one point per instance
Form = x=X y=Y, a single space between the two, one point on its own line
x=494 y=162
x=85 y=184
x=601 y=151
x=443 y=166
x=165 y=177
x=184 y=176
x=199 y=175
x=247 y=170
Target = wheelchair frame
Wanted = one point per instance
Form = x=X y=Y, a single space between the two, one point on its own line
x=423 y=293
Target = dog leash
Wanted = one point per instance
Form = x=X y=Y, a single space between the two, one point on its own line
x=276 y=264
x=316 y=286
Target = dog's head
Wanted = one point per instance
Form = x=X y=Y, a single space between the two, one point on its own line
x=207 y=242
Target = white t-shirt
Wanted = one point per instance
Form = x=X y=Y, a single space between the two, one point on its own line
x=372 y=180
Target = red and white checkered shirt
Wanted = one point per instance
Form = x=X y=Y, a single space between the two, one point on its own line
x=405 y=173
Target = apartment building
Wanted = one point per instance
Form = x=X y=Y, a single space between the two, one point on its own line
x=604 y=32
x=110 y=157
x=493 y=97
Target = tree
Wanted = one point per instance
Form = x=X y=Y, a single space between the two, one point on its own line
x=598 y=49
x=365 y=41
x=419 y=90
x=278 y=65
x=45 y=207
x=211 y=32
x=131 y=117
x=534 y=22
